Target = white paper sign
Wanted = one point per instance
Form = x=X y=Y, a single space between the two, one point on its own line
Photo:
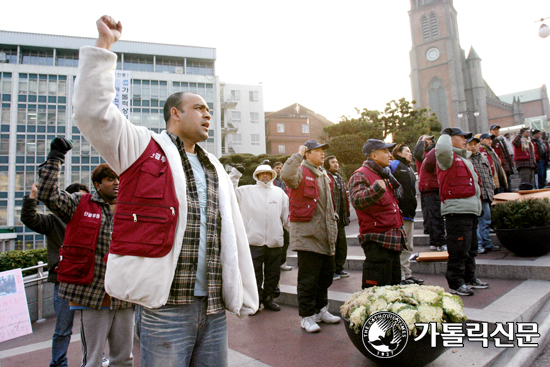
x=122 y=97
x=15 y=320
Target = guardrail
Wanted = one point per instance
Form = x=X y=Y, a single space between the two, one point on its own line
x=40 y=287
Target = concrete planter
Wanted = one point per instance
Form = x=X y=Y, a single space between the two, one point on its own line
x=525 y=241
x=415 y=354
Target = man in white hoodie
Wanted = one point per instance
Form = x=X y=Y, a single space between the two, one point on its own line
x=264 y=208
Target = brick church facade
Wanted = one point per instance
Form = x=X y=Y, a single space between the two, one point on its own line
x=451 y=84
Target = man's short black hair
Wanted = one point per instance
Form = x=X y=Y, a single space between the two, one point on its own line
x=277 y=164
x=174 y=100
x=398 y=149
x=76 y=187
x=327 y=161
x=102 y=171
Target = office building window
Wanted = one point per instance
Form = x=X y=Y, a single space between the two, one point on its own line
x=253 y=95
x=305 y=128
x=282 y=149
x=37 y=57
x=236 y=95
x=9 y=55
x=138 y=63
x=236 y=117
x=67 y=58
x=170 y=65
x=254 y=117
x=280 y=127
x=255 y=139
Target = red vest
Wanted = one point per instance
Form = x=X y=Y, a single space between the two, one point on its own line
x=303 y=199
x=77 y=255
x=147 y=207
x=382 y=215
x=456 y=182
x=427 y=181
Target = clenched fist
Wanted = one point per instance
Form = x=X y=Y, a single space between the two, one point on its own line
x=109 y=32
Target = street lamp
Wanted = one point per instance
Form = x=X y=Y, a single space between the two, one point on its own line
x=544 y=30
x=461 y=114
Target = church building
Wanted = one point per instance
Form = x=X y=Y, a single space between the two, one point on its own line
x=451 y=84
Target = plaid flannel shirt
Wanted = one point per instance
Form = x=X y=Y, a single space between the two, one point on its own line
x=183 y=286
x=529 y=163
x=64 y=205
x=340 y=198
x=499 y=146
x=362 y=195
x=483 y=170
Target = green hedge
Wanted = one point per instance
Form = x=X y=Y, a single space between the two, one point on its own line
x=516 y=214
x=23 y=259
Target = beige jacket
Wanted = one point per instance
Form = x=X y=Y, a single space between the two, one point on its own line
x=319 y=234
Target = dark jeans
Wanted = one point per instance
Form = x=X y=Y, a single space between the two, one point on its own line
x=381 y=266
x=63 y=329
x=267 y=267
x=541 y=174
x=315 y=273
x=462 y=247
x=433 y=222
x=286 y=242
x=527 y=174
x=341 y=252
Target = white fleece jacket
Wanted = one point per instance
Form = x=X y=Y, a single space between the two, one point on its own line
x=264 y=208
x=147 y=281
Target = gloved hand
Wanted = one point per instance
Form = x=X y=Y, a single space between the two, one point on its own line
x=522 y=131
x=447 y=131
x=59 y=147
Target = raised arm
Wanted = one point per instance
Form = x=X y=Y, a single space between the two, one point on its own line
x=291 y=173
x=118 y=141
x=444 y=151
x=60 y=202
x=38 y=222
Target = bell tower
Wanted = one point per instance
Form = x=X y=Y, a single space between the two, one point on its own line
x=438 y=62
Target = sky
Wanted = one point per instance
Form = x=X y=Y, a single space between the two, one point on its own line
x=328 y=56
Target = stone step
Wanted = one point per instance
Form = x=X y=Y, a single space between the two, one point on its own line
x=420 y=239
x=509 y=267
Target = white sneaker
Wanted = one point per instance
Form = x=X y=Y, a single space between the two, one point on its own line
x=433 y=248
x=310 y=325
x=105 y=362
x=286 y=267
x=326 y=317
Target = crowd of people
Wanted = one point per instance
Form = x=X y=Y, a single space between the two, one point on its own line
x=168 y=241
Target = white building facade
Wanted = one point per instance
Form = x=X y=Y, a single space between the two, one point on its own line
x=242 y=119
x=37 y=74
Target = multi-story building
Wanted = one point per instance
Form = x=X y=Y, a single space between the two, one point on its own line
x=37 y=74
x=242 y=119
x=291 y=127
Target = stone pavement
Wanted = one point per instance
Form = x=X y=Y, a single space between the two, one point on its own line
x=519 y=291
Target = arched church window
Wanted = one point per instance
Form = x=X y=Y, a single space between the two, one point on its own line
x=424 y=23
x=434 y=26
x=438 y=100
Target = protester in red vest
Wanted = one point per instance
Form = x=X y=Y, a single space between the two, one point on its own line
x=461 y=205
x=89 y=221
x=501 y=148
x=542 y=155
x=54 y=229
x=373 y=195
x=524 y=156
x=313 y=231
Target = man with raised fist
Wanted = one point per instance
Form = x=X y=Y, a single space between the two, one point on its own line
x=179 y=248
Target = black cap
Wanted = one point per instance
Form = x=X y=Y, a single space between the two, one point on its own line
x=314 y=144
x=374 y=144
x=494 y=126
x=485 y=136
x=458 y=131
x=472 y=139
x=536 y=131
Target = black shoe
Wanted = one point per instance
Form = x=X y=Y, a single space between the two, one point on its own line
x=414 y=281
x=270 y=305
x=342 y=274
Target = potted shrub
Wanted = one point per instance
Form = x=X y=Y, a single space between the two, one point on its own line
x=413 y=303
x=523 y=226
